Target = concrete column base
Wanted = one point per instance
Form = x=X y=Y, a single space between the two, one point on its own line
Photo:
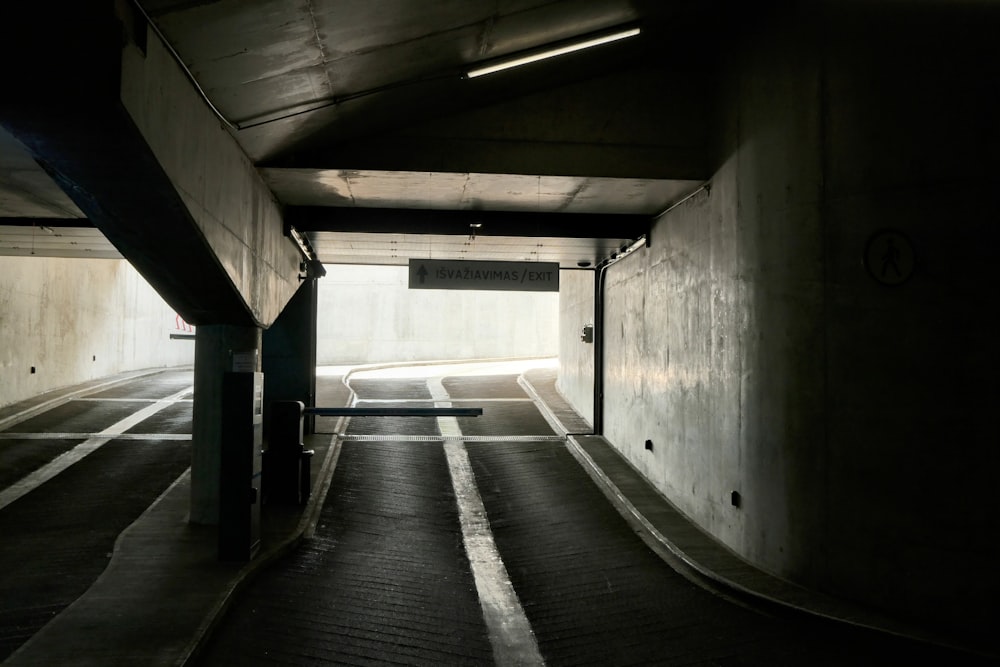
x=219 y=348
x=289 y=355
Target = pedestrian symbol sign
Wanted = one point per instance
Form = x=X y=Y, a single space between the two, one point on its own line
x=889 y=257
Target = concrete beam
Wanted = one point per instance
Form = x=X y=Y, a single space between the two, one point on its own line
x=494 y=223
x=130 y=141
x=646 y=122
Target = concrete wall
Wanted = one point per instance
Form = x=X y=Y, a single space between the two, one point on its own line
x=367 y=314
x=576 y=358
x=750 y=344
x=75 y=320
x=911 y=371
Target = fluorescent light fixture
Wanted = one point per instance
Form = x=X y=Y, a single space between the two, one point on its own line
x=301 y=242
x=517 y=61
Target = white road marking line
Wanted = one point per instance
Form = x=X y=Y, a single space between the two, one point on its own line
x=35 y=479
x=6 y=435
x=440 y=438
x=128 y=400
x=509 y=630
x=64 y=398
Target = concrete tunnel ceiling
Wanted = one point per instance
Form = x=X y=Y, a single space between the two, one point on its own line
x=359 y=118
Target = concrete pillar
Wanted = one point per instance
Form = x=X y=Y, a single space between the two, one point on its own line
x=289 y=353
x=219 y=348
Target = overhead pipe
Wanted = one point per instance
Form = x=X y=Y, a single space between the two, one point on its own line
x=184 y=68
x=706 y=186
x=280 y=114
x=325 y=102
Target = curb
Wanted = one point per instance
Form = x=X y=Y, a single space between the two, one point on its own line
x=708 y=579
x=304 y=530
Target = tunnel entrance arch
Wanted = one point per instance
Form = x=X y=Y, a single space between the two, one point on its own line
x=368 y=315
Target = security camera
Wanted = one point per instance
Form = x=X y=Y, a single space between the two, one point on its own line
x=316 y=269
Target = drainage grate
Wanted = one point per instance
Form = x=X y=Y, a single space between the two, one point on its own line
x=440 y=400
x=347 y=437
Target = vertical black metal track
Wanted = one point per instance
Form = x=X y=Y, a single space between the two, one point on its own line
x=599 y=278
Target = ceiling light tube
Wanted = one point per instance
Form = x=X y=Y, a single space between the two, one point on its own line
x=517 y=61
x=301 y=242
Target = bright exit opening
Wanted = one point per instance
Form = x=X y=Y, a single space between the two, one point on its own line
x=368 y=314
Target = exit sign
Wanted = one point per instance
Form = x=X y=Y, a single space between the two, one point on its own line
x=463 y=274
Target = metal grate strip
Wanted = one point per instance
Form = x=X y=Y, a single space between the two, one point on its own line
x=440 y=400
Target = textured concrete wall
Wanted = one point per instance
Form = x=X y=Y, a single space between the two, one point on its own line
x=75 y=320
x=750 y=344
x=367 y=314
x=576 y=358
x=911 y=370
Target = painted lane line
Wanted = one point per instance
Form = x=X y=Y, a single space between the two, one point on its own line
x=128 y=400
x=35 y=479
x=64 y=398
x=509 y=630
x=352 y=437
x=84 y=436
